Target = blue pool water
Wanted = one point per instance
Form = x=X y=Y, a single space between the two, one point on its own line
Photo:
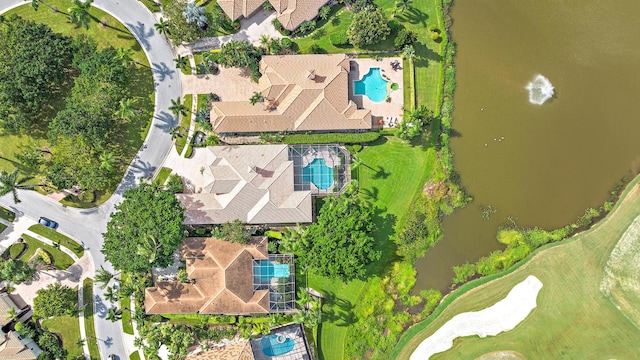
x=266 y=271
x=318 y=173
x=373 y=85
x=271 y=346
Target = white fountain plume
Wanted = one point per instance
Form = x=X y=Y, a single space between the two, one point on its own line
x=540 y=90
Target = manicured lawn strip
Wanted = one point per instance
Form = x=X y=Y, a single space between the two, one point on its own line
x=162 y=176
x=394 y=173
x=134 y=356
x=2 y=227
x=129 y=137
x=90 y=329
x=202 y=101
x=186 y=70
x=69 y=328
x=571 y=272
x=151 y=5
x=61 y=260
x=59 y=238
x=342 y=138
x=125 y=306
x=6 y=213
x=185 y=121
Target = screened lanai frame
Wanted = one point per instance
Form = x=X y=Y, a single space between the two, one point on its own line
x=335 y=157
x=282 y=290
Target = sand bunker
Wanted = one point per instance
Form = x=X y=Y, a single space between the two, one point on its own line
x=502 y=316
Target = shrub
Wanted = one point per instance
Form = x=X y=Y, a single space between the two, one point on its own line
x=15 y=250
x=435 y=36
x=276 y=24
x=356 y=148
x=510 y=237
x=174 y=184
x=432 y=299
x=54 y=300
x=405 y=38
x=339 y=39
x=44 y=256
x=463 y=273
x=182 y=276
x=395 y=86
x=317 y=49
x=286 y=43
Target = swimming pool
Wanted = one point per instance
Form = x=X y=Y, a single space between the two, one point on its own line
x=275 y=345
x=266 y=270
x=318 y=173
x=373 y=85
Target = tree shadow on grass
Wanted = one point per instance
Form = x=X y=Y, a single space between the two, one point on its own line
x=336 y=310
x=384 y=230
x=413 y=16
x=424 y=55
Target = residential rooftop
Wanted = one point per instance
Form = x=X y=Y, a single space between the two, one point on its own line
x=290 y=13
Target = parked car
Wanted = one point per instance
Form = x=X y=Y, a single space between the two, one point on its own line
x=113 y=357
x=48 y=223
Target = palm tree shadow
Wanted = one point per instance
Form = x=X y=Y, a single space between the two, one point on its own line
x=414 y=16
x=166 y=121
x=141 y=34
x=162 y=70
x=336 y=310
x=380 y=173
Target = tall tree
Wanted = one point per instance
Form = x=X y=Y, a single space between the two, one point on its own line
x=125 y=110
x=162 y=26
x=114 y=314
x=35 y=4
x=104 y=277
x=145 y=211
x=340 y=244
x=238 y=53
x=54 y=300
x=79 y=13
x=107 y=160
x=178 y=108
x=124 y=57
x=11 y=183
x=256 y=98
x=35 y=62
x=368 y=27
x=181 y=62
x=149 y=248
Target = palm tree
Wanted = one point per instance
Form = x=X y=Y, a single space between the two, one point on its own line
x=149 y=248
x=9 y=183
x=107 y=160
x=114 y=314
x=175 y=132
x=162 y=27
x=409 y=53
x=79 y=13
x=80 y=343
x=404 y=5
x=324 y=12
x=103 y=277
x=181 y=62
x=178 y=108
x=126 y=111
x=256 y=97
x=12 y=314
x=124 y=56
x=265 y=41
x=111 y=295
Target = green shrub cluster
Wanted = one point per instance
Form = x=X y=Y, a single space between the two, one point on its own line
x=383 y=314
x=339 y=39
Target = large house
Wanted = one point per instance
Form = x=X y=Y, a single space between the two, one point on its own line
x=253 y=183
x=301 y=93
x=226 y=278
x=290 y=13
x=12 y=345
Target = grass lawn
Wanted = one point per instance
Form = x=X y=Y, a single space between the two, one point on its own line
x=6 y=213
x=125 y=305
x=90 y=329
x=573 y=319
x=202 y=101
x=151 y=5
x=134 y=356
x=129 y=137
x=2 y=227
x=59 y=238
x=185 y=122
x=69 y=328
x=162 y=176
x=61 y=260
x=391 y=175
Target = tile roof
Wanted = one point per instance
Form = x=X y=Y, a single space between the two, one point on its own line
x=13 y=348
x=302 y=92
x=222 y=280
x=237 y=8
x=5 y=304
x=253 y=183
x=292 y=13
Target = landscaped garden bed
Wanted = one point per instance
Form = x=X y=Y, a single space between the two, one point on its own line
x=58 y=238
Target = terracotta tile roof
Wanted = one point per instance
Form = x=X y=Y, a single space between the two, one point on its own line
x=5 y=304
x=240 y=350
x=222 y=280
x=237 y=8
x=253 y=183
x=302 y=92
x=292 y=13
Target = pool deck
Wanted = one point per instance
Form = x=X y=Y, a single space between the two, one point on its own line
x=381 y=111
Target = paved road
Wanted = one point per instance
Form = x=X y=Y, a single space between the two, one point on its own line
x=87 y=225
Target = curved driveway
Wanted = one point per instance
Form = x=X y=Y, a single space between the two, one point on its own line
x=87 y=225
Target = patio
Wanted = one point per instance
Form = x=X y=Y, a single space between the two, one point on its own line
x=231 y=84
x=385 y=114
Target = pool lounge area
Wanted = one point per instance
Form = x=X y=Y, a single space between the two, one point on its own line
x=371 y=82
x=284 y=343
